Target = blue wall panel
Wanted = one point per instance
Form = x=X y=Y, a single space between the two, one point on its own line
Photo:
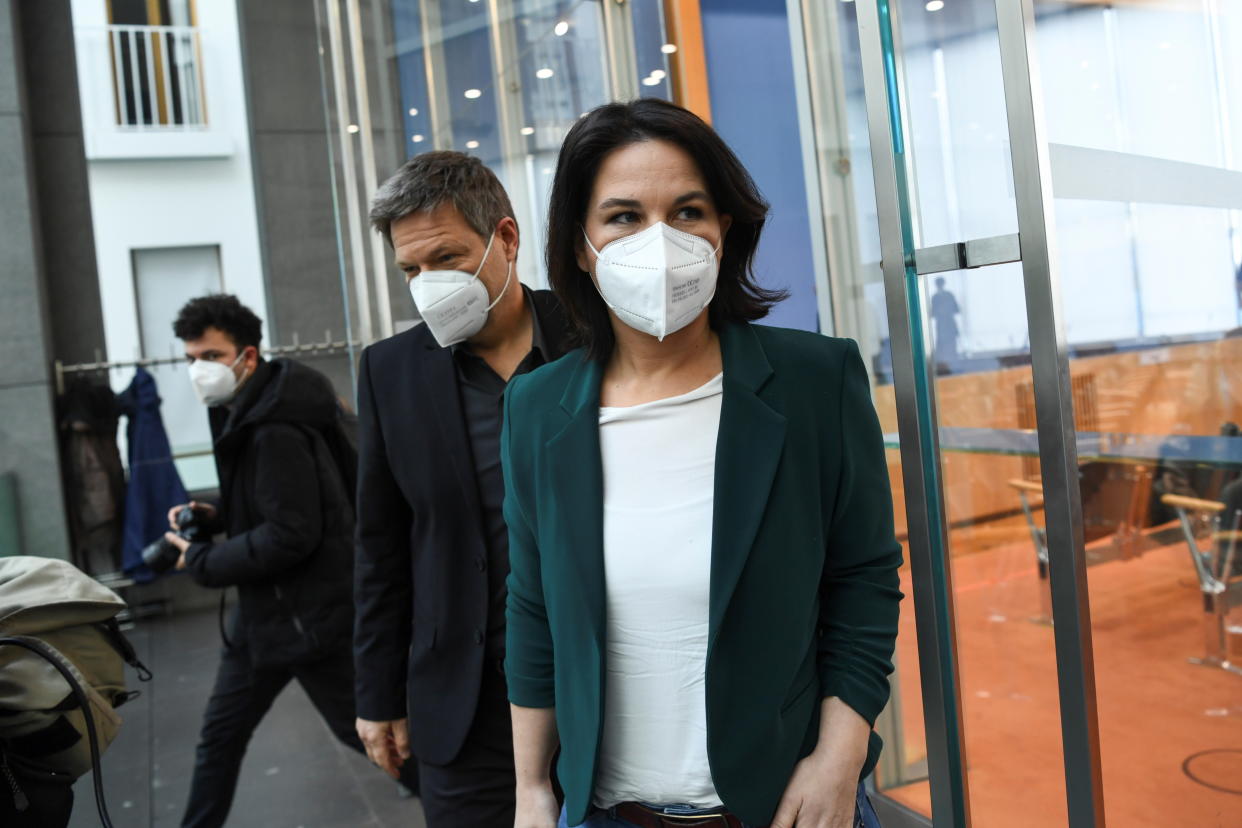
x=754 y=108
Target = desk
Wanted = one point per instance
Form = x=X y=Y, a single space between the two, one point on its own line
x=1114 y=447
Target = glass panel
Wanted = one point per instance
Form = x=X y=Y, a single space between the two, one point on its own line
x=649 y=54
x=506 y=90
x=961 y=186
x=1157 y=78
x=1150 y=298
x=1006 y=652
x=839 y=117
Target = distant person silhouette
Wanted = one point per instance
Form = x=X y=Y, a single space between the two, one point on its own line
x=944 y=311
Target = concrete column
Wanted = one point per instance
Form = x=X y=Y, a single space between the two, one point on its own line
x=28 y=452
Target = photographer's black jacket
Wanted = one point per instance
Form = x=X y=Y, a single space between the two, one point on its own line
x=288 y=516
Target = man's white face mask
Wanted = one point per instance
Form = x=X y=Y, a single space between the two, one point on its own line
x=657 y=281
x=453 y=303
x=214 y=382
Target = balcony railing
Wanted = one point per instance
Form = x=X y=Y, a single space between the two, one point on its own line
x=157 y=80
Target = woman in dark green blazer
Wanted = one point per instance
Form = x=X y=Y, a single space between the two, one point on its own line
x=703 y=594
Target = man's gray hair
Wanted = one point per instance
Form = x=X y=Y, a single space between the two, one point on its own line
x=431 y=179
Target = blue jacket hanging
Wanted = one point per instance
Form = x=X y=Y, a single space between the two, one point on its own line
x=154 y=485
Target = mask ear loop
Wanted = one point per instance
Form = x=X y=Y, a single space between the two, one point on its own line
x=501 y=295
x=508 y=275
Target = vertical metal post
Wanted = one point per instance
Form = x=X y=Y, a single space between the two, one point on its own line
x=353 y=214
x=920 y=450
x=1054 y=413
x=619 y=37
x=439 y=109
x=379 y=261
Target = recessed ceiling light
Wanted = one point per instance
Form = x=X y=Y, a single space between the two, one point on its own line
x=668 y=48
x=650 y=81
x=934 y=5
x=418 y=139
x=544 y=73
x=561 y=29
x=472 y=145
x=413 y=112
x=352 y=128
x=472 y=93
x=658 y=74
x=528 y=130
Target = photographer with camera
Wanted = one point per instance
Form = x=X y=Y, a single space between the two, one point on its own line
x=286 y=472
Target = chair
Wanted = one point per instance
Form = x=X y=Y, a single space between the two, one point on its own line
x=1040 y=538
x=1221 y=589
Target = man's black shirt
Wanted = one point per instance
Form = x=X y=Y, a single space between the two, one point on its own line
x=482 y=399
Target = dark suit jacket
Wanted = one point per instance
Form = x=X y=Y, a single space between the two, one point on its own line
x=420 y=592
x=804 y=586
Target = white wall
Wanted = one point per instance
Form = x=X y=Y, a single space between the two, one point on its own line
x=180 y=202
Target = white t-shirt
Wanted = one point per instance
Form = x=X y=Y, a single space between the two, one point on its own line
x=659 y=484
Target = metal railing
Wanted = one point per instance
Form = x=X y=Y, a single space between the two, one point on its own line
x=157 y=78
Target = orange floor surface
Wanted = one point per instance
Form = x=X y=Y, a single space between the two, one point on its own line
x=1162 y=719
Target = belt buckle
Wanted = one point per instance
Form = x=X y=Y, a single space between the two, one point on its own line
x=692 y=819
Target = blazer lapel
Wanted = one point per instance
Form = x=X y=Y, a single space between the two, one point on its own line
x=440 y=389
x=577 y=477
x=748 y=452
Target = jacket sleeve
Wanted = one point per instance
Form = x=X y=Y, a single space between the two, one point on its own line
x=286 y=500
x=859 y=590
x=528 y=638
x=383 y=588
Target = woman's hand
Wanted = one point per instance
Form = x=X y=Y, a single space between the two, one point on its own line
x=536 y=807
x=823 y=791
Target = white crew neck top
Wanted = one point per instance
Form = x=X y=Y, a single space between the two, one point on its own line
x=659 y=485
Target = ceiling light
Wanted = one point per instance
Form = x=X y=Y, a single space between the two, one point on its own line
x=544 y=73
x=649 y=81
x=528 y=130
x=668 y=48
x=561 y=28
x=472 y=93
x=472 y=145
x=418 y=139
x=351 y=129
x=658 y=74
x=413 y=113
x=934 y=5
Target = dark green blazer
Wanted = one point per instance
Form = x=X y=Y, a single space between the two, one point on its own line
x=804 y=586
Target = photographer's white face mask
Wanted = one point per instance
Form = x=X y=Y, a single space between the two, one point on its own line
x=657 y=281
x=454 y=303
x=214 y=382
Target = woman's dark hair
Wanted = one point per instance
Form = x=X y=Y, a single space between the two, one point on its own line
x=739 y=298
x=222 y=311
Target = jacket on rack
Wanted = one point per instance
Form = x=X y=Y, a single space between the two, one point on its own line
x=286 y=506
x=88 y=413
x=154 y=484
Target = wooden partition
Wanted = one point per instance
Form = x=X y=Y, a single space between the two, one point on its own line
x=1177 y=389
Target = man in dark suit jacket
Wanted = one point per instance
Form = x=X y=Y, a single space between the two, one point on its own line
x=432 y=551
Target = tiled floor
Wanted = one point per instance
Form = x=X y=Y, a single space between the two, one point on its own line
x=294 y=776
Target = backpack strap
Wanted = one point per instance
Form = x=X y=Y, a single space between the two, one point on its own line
x=68 y=672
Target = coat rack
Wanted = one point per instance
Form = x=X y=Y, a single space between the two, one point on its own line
x=328 y=347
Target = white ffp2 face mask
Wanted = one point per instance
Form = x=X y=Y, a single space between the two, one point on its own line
x=214 y=382
x=657 y=281
x=453 y=303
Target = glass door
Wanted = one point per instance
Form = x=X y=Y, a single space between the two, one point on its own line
x=1032 y=218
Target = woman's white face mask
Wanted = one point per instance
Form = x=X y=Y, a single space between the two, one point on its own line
x=657 y=281
x=453 y=303
x=214 y=382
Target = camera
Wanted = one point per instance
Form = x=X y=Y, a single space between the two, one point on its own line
x=160 y=555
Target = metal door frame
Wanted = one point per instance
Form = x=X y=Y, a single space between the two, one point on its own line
x=913 y=374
